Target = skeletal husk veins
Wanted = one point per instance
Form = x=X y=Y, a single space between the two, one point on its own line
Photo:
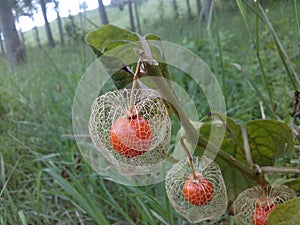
x=260 y=199
x=205 y=168
x=149 y=105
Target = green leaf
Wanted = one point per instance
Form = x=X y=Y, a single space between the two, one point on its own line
x=294 y=184
x=108 y=37
x=268 y=140
x=152 y=37
x=122 y=77
x=287 y=213
x=232 y=144
x=22 y=217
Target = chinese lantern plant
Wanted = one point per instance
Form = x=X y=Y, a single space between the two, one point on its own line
x=131 y=128
x=194 y=185
x=196 y=188
x=254 y=205
x=131 y=135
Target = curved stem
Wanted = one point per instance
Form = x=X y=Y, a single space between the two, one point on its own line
x=189 y=157
x=246 y=147
x=165 y=90
x=134 y=84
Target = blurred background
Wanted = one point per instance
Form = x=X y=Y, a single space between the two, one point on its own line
x=253 y=52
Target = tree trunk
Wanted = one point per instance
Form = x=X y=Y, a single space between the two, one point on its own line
x=15 y=50
x=137 y=16
x=22 y=37
x=102 y=12
x=208 y=10
x=175 y=7
x=161 y=10
x=199 y=7
x=131 y=17
x=37 y=36
x=59 y=23
x=1 y=44
x=188 y=5
x=50 y=39
x=60 y=29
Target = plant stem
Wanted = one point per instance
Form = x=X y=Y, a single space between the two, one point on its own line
x=247 y=171
x=278 y=169
x=262 y=181
x=163 y=86
x=189 y=157
x=262 y=112
x=262 y=190
x=246 y=147
x=134 y=84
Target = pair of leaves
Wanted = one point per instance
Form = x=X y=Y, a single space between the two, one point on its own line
x=110 y=38
x=268 y=140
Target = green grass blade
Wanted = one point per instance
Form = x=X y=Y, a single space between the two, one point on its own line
x=159 y=217
x=113 y=203
x=169 y=211
x=38 y=194
x=281 y=51
x=256 y=42
x=5 y=182
x=22 y=217
x=297 y=18
x=265 y=80
x=154 y=209
x=11 y=208
x=220 y=50
x=80 y=198
x=244 y=14
x=146 y=212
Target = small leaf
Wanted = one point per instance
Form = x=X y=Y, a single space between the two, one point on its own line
x=294 y=184
x=268 y=140
x=108 y=37
x=152 y=37
x=122 y=78
x=287 y=213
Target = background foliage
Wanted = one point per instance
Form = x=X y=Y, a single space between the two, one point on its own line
x=42 y=177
